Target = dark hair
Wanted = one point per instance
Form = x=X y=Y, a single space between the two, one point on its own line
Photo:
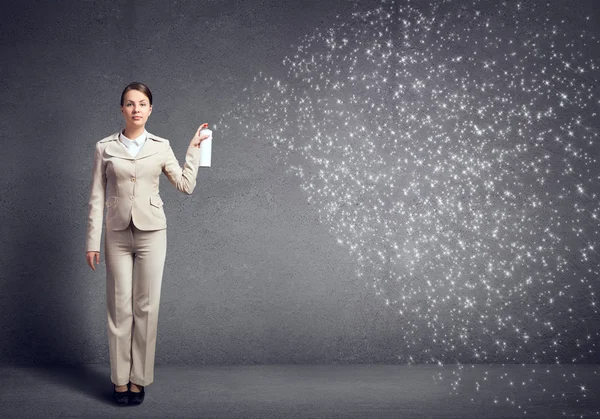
x=137 y=86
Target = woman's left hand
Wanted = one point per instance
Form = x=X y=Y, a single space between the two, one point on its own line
x=198 y=138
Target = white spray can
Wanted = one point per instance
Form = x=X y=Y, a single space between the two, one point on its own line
x=205 y=148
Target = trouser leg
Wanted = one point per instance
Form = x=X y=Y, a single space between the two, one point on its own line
x=119 y=277
x=150 y=249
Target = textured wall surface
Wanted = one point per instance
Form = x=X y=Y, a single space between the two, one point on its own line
x=424 y=186
x=251 y=276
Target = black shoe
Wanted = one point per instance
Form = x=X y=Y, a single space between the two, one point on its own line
x=121 y=397
x=137 y=398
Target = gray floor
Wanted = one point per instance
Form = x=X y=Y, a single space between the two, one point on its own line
x=310 y=391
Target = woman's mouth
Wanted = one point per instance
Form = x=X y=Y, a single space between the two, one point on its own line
x=137 y=117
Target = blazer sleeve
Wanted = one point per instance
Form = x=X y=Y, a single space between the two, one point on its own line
x=184 y=179
x=96 y=203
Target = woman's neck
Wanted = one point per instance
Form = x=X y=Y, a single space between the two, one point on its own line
x=133 y=132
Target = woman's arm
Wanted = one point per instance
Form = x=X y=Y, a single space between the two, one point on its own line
x=184 y=179
x=96 y=203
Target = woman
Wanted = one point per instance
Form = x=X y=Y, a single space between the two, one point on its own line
x=126 y=170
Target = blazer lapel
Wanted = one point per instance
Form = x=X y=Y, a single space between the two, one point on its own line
x=115 y=149
x=151 y=146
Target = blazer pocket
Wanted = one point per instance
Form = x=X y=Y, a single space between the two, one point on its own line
x=156 y=201
x=111 y=201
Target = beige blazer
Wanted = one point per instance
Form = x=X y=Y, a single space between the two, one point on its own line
x=128 y=186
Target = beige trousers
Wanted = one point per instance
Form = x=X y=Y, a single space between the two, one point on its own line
x=135 y=260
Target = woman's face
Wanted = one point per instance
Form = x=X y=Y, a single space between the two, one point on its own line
x=136 y=108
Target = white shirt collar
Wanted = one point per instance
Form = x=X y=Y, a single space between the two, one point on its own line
x=129 y=142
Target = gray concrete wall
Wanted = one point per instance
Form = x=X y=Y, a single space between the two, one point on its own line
x=251 y=276
x=254 y=272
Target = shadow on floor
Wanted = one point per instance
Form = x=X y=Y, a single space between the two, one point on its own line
x=88 y=379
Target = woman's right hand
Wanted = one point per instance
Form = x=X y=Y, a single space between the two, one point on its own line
x=90 y=256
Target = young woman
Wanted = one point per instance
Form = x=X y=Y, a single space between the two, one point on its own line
x=125 y=178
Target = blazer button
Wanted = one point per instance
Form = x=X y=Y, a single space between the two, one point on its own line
x=132 y=197
x=133 y=179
